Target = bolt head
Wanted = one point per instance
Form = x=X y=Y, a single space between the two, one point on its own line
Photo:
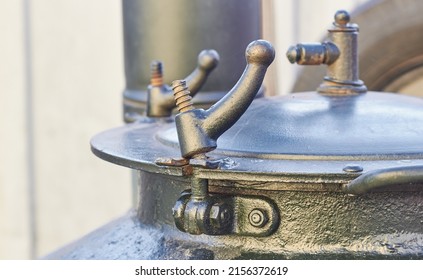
x=258 y=218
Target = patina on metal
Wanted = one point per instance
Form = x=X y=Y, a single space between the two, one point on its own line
x=174 y=31
x=391 y=48
x=306 y=176
x=396 y=176
x=339 y=53
x=160 y=102
x=198 y=131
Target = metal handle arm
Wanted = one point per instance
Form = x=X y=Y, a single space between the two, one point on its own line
x=199 y=129
x=160 y=102
x=409 y=175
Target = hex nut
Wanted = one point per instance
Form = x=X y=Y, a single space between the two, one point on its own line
x=220 y=216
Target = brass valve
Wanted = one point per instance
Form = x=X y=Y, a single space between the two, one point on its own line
x=160 y=101
x=339 y=53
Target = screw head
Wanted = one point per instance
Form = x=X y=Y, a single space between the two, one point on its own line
x=258 y=218
x=351 y=168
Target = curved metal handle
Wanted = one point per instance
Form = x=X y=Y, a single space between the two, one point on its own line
x=411 y=175
x=199 y=129
x=160 y=102
x=207 y=61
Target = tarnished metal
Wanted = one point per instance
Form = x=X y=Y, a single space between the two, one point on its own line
x=391 y=51
x=285 y=183
x=318 y=224
x=398 y=176
x=174 y=31
x=217 y=214
x=160 y=102
x=199 y=129
x=340 y=54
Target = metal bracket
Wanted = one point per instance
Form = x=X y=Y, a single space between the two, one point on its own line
x=226 y=215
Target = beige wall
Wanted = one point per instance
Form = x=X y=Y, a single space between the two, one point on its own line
x=14 y=221
x=61 y=78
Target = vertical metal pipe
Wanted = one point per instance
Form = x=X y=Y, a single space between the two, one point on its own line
x=30 y=150
x=175 y=32
x=345 y=69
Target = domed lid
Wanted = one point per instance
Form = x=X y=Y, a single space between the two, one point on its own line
x=312 y=126
x=303 y=136
x=324 y=135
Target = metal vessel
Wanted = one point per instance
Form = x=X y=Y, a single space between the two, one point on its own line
x=331 y=174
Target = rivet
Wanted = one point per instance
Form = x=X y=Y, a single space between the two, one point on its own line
x=258 y=218
x=353 y=168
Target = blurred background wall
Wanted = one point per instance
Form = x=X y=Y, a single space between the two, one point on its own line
x=61 y=79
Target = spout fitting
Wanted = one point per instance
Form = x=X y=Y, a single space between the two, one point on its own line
x=198 y=129
x=313 y=53
x=339 y=53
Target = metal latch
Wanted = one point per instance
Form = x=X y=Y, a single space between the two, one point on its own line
x=198 y=212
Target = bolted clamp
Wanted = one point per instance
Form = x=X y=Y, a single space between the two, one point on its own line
x=339 y=53
x=197 y=211
x=160 y=101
